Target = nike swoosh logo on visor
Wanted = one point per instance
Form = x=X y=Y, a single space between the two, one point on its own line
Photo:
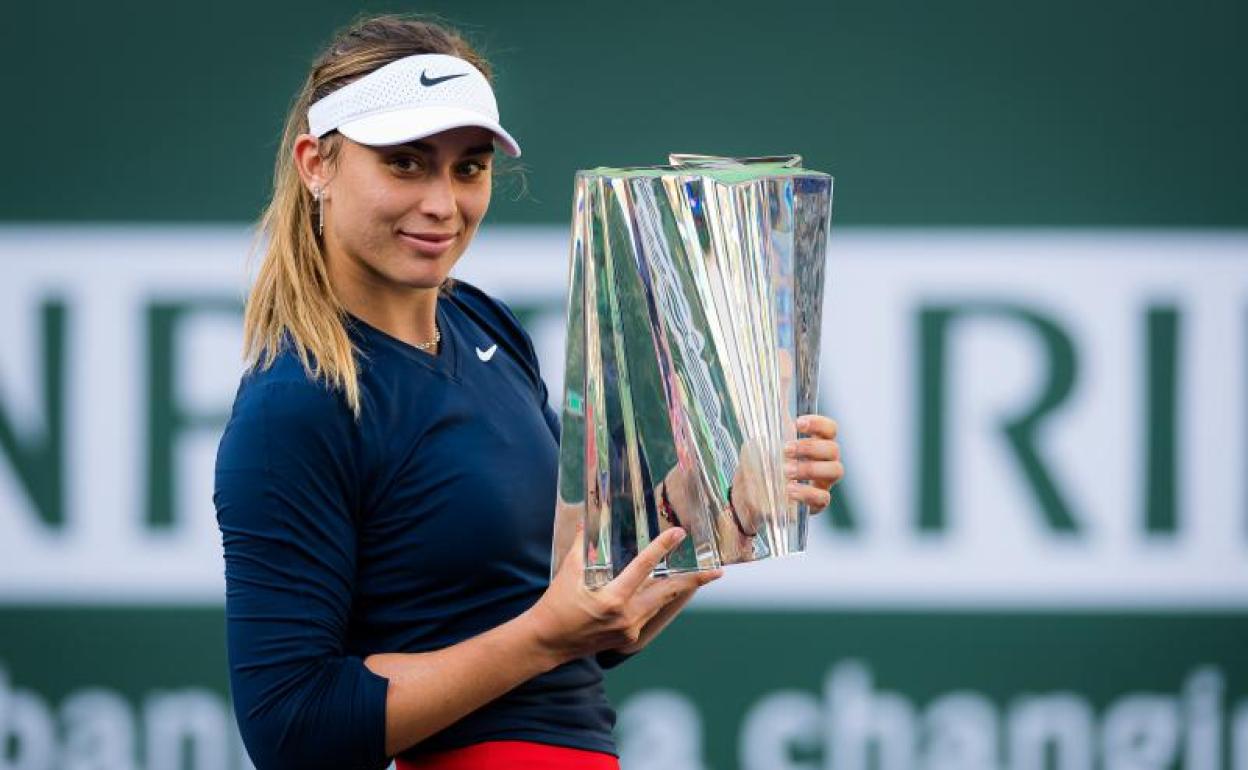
x=425 y=80
x=486 y=355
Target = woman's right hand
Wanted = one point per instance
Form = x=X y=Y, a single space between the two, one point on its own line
x=572 y=621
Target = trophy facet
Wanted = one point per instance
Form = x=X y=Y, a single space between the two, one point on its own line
x=694 y=305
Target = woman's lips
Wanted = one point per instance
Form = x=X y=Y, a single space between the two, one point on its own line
x=429 y=244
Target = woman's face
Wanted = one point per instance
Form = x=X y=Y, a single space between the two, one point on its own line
x=401 y=216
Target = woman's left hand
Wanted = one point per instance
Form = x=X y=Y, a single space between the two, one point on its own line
x=681 y=587
x=816 y=459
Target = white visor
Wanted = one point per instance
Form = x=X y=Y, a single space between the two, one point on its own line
x=410 y=99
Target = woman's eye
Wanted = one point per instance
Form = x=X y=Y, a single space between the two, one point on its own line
x=472 y=168
x=405 y=163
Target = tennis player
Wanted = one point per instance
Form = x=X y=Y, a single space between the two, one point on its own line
x=385 y=486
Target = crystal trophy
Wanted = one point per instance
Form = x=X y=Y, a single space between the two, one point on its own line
x=694 y=305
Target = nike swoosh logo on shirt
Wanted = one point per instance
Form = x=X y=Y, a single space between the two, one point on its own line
x=486 y=355
x=427 y=81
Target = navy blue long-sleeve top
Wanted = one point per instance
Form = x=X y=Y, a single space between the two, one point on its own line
x=423 y=524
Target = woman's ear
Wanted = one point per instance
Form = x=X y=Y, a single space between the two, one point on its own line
x=312 y=165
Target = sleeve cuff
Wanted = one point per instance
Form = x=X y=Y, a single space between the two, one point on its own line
x=611 y=658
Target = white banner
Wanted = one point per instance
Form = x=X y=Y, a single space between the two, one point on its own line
x=1029 y=418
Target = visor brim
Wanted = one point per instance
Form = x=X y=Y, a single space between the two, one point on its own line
x=409 y=124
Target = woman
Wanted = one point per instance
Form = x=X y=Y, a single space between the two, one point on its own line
x=385 y=484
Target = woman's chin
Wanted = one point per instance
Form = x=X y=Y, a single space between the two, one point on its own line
x=421 y=272
x=423 y=281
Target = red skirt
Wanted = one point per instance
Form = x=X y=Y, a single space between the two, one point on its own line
x=512 y=755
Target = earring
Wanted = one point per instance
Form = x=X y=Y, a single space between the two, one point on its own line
x=319 y=195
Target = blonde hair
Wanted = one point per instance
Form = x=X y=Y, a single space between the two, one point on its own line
x=292 y=300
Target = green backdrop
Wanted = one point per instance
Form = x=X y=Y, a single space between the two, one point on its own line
x=971 y=112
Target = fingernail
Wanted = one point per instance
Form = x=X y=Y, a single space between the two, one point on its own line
x=803 y=423
x=790 y=449
x=790 y=470
x=680 y=535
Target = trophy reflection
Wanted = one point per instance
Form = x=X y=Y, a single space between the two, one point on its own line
x=694 y=306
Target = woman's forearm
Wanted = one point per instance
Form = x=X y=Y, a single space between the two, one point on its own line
x=430 y=690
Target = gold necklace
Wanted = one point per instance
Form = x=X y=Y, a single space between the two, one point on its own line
x=437 y=337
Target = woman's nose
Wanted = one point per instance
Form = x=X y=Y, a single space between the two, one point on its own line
x=438 y=200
